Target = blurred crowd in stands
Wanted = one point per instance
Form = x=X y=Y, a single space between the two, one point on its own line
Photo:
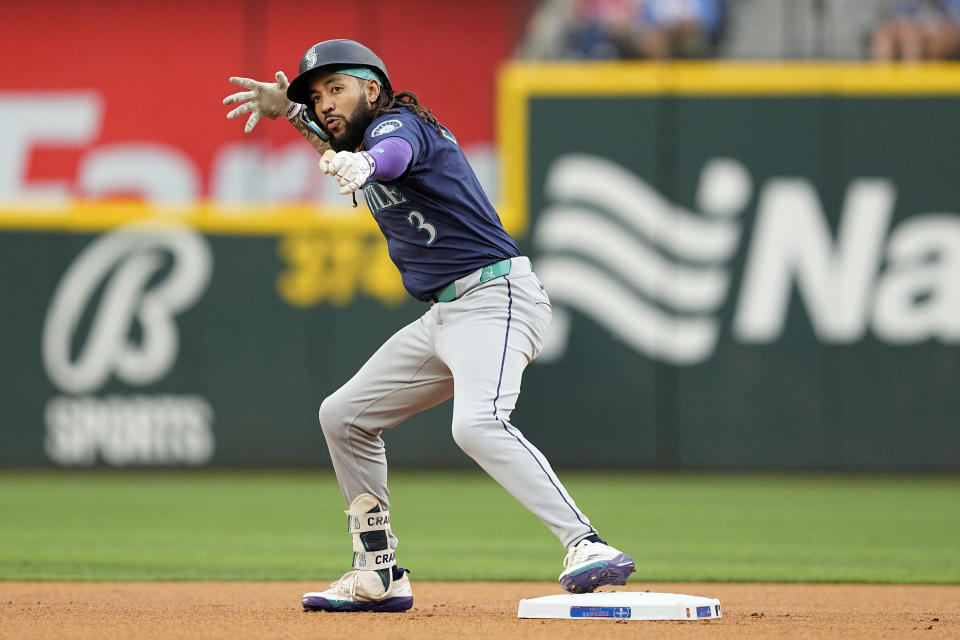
x=901 y=30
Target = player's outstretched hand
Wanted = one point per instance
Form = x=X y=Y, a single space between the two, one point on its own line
x=262 y=99
x=350 y=169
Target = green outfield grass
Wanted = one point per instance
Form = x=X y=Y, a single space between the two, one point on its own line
x=463 y=526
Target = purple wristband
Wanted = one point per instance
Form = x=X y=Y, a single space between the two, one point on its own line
x=393 y=156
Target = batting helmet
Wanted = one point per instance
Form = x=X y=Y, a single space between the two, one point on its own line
x=328 y=56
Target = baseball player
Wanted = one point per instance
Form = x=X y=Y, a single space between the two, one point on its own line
x=486 y=321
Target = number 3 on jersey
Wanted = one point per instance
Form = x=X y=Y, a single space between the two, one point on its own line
x=417 y=221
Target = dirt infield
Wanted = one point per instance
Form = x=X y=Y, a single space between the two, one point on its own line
x=462 y=610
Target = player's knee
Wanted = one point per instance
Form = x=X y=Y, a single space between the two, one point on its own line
x=332 y=418
x=469 y=434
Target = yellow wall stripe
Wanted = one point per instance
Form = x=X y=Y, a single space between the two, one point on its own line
x=91 y=216
x=757 y=78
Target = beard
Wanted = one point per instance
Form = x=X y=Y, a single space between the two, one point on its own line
x=353 y=129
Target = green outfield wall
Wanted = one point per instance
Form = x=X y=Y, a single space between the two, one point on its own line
x=752 y=266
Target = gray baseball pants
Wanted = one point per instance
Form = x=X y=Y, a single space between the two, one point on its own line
x=475 y=349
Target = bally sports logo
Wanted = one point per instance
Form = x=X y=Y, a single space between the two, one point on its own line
x=131 y=284
x=656 y=275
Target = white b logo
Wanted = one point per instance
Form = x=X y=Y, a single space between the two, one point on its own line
x=122 y=265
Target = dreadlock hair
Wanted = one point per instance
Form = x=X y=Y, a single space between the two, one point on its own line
x=389 y=103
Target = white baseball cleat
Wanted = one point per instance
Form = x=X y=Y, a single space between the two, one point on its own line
x=593 y=564
x=362 y=591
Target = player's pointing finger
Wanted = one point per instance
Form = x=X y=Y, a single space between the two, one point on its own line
x=326 y=160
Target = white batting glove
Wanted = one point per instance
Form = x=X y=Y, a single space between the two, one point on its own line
x=350 y=169
x=263 y=99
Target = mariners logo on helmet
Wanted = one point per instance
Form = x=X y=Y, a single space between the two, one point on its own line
x=310 y=58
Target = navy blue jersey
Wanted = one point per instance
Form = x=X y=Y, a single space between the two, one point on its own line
x=437 y=220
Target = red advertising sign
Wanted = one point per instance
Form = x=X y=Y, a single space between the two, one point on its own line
x=113 y=100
